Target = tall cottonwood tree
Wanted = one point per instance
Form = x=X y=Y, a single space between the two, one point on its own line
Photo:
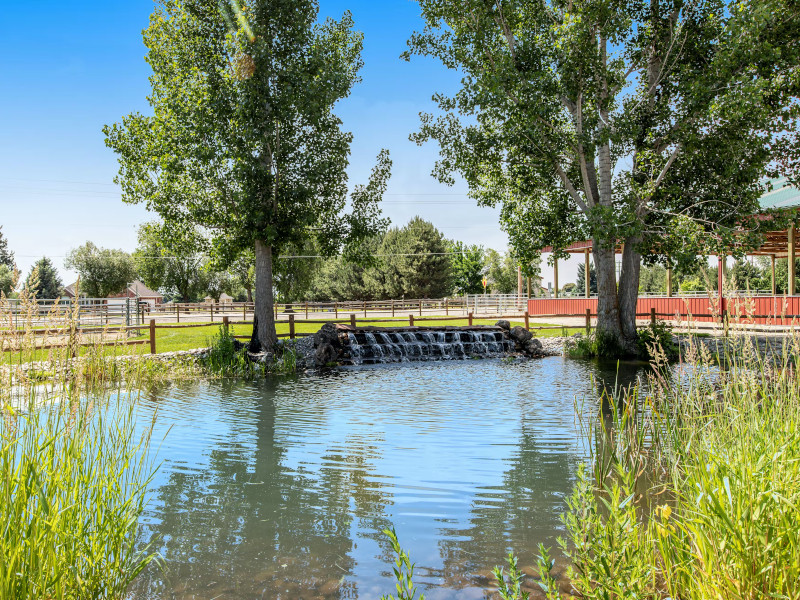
x=646 y=123
x=243 y=140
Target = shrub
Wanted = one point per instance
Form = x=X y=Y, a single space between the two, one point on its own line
x=656 y=341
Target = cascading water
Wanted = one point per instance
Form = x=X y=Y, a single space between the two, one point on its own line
x=366 y=347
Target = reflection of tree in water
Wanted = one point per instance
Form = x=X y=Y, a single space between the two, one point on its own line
x=250 y=527
x=525 y=513
x=527 y=509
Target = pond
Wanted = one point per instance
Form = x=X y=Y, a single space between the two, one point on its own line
x=281 y=488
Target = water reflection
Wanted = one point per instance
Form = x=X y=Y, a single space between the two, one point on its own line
x=280 y=489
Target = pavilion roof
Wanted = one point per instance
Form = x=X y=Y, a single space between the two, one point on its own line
x=783 y=194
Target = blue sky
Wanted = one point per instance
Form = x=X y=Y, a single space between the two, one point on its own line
x=69 y=68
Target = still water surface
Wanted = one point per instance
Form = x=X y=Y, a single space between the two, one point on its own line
x=280 y=488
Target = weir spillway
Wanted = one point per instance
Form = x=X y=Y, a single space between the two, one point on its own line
x=394 y=345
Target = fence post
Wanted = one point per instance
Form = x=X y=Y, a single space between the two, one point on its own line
x=588 y=321
x=393 y=308
x=225 y=323
x=420 y=308
x=446 y=308
x=470 y=319
x=306 y=309
x=653 y=316
x=527 y=320
x=411 y=320
x=152 y=336
x=291 y=326
x=336 y=309
x=353 y=319
x=365 y=309
x=127 y=312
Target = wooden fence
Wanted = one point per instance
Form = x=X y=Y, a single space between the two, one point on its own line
x=412 y=320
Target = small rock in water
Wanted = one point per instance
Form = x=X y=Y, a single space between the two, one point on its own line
x=520 y=335
x=503 y=324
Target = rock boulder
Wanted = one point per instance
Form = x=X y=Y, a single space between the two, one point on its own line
x=520 y=335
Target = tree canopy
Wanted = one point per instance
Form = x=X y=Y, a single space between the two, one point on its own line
x=468 y=265
x=174 y=266
x=243 y=140
x=102 y=271
x=43 y=281
x=6 y=255
x=646 y=123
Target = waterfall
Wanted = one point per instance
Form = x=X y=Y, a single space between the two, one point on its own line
x=366 y=347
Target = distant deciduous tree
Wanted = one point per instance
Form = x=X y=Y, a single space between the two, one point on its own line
x=8 y=279
x=102 y=271
x=172 y=265
x=43 y=280
x=468 y=264
x=501 y=272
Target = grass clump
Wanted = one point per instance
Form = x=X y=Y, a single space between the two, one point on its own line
x=72 y=487
x=73 y=469
x=694 y=491
x=227 y=357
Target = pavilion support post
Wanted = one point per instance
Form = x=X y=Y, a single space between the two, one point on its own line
x=669 y=282
x=586 y=273
x=721 y=287
x=792 y=255
x=774 y=287
x=555 y=276
x=529 y=287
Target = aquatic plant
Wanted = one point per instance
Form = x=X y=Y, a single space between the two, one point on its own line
x=403 y=570
x=73 y=469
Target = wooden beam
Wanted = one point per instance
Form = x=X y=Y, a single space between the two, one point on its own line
x=555 y=276
x=774 y=288
x=792 y=255
x=669 y=282
x=586 y=273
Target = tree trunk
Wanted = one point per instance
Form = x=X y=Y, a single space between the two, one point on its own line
x=608 y=321
x=264 y=320
x=249 y=294
x=628 y=293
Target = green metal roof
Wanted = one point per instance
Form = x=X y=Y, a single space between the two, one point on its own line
x=782 y=195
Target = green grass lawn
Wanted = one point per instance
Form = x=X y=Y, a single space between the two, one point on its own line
x=190 y=338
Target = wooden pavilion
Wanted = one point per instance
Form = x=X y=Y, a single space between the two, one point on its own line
x=778 y=244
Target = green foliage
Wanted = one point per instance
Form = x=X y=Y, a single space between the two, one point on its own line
x=102 y=271
x=781 y=274
x=226 y=357
x=73 y=485
x=501 y=272
x=8 y=280
x=403 y=571
x=510 y=587
x=6 y=255
x=584 y=346
x=580 y=283
x=174 y=265
x=414 y=263
x=592 y=121
x=43 y=280
x=656 y=341
x=243 y=140
x=467 y=264
x=294 y=277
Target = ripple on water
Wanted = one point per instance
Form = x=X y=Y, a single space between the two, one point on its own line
x=279 y=489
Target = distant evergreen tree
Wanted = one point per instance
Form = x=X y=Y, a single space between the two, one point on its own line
x=414 y=263
x=6 y=256
x=43 y=280
x=580 y=284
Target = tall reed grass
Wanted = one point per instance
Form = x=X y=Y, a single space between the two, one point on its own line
x=694 y=488
x=73 y=469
